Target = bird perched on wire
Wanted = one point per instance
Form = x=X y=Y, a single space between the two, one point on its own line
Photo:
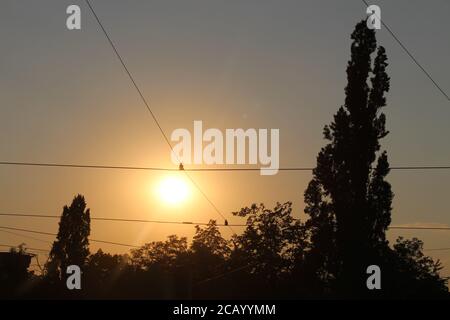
x=226 y=222
x=181 y=167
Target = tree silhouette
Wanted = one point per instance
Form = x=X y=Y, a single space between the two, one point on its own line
x=271 y=241
x=103 y=272
x=317 y=272
x=412 y=274
x=162 y=254
x=209 y=239
x=71 y=246
x=349 y=202
x=209 y=251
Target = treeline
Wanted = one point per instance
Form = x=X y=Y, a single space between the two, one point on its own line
x=273 y=258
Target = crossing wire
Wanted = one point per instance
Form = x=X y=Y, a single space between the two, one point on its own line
x=408 y=52
x=148 y=106
x=85 y=166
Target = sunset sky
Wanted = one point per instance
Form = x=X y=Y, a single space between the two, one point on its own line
x=65 y=98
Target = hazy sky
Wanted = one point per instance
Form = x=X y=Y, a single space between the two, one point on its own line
x=65 y=98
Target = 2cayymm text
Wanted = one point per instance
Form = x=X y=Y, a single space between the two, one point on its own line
x=223 y=310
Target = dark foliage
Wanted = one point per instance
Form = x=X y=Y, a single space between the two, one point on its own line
x=72 y=244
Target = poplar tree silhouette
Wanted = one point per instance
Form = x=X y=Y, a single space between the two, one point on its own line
x=348 y=199
x=71 y=246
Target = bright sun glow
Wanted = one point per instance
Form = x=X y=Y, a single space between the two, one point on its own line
x=173 y=190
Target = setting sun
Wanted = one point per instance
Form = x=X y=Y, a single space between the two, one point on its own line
x=173 y=190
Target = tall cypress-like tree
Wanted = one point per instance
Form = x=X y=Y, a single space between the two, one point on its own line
x=348 y=199
x=71 y=246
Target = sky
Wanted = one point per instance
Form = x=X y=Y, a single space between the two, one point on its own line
x=65 y=98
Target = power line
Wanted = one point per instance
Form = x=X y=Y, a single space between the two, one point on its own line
x=28 y=215
x=209 y=200
x=84 y=166
x=134 y=246
x=411 y=56
x=420 y=228
x=54 y=234
x=420 y=168
x=25 y=236
x=26 y=248
x=129 y=74
x=146 y=104
x=436 y=249
x=27 y=230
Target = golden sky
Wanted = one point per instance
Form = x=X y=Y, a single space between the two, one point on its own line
x=64 y=97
